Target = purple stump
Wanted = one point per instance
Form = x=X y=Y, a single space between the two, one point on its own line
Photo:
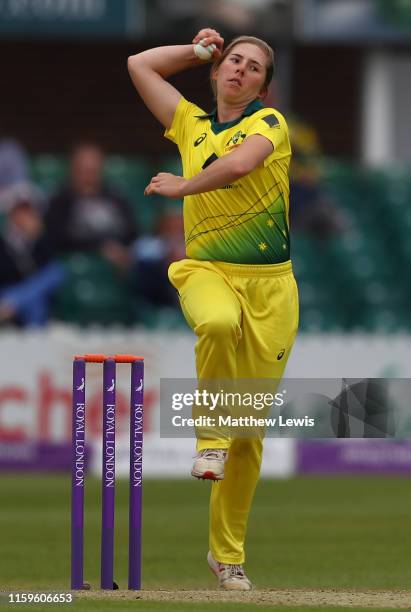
x=108 y=474
x=136 y=474
x=78 y=474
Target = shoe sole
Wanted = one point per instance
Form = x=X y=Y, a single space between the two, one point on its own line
x=207 y=475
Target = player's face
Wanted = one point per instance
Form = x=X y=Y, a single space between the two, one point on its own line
x=241 y=74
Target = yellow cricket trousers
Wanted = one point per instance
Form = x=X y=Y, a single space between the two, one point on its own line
x=246 y=319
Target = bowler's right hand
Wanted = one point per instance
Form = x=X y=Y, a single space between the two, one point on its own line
x=210 y=36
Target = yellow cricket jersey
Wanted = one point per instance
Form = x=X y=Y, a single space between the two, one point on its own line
x=245 y=222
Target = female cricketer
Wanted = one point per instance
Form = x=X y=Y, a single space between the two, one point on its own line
x=236 y=286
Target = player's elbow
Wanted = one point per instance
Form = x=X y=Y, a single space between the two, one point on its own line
x=131 y=60
x=133 y=63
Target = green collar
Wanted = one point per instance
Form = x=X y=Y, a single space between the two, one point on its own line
x=217 y=127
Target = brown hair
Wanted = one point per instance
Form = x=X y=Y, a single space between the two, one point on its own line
x=254 y=41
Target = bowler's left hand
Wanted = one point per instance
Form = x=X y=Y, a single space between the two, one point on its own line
x=166 y=184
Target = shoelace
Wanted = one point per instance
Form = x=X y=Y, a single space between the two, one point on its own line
x=213 y=453
x=233 y=570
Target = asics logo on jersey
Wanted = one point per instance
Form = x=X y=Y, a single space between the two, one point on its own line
x=280 y=354
x=200 y=139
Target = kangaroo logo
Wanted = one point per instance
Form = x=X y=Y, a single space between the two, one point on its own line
x=112 y=386
x=140 y=387
x=235 y=140
x=81 y=386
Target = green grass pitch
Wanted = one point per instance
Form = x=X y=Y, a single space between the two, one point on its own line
x=304 y=533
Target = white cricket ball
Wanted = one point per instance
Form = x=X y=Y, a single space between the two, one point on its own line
x=202 y=52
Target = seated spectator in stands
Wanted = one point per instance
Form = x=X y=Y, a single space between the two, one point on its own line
x=87 y=215
x=153 y=255
x=29 y=274
x=312 y=210
x=14 y=165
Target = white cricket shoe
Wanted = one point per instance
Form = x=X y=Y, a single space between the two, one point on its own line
x=209 y=464
x=230 y=577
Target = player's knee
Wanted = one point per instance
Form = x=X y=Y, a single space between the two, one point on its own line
x=222 y=327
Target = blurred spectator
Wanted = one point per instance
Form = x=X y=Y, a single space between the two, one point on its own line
x=13 y=164
x=153 y=255
x=28 y=273
x=87 y=215
x=312 y=210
